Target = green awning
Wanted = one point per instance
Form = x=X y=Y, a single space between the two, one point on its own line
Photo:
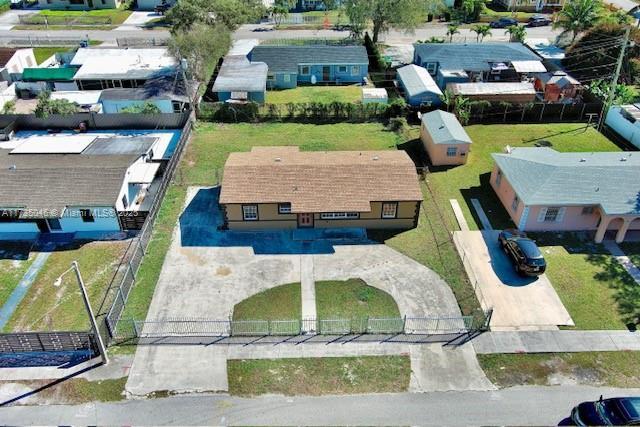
x=49 y=74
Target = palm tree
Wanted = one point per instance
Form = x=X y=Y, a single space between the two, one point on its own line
x=452 y=30
x=517 y=33
x=579 y=15
x=482 y=31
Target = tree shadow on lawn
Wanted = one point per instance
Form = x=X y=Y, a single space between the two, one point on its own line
x=626 y=290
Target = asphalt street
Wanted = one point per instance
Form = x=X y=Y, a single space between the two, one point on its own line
x=513 y=406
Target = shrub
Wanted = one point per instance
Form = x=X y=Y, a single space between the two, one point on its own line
x=397 y=124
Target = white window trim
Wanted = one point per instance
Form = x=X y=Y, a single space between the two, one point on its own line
x=355 y=70
x=453 y=150
x=302 y=67
x=343 y=68
x=542 y=215
x=286 y=78
x=244 y=213
x=339 y=215
x=431 y=67
x=395 y=210
x=286 y=210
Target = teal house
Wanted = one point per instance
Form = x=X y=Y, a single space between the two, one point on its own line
x=290 y=66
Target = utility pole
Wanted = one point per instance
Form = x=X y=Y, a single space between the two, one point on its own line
x=87 y=304
x=614 y=82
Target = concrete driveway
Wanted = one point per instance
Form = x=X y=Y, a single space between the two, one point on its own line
x=206 y=282
x=519 y=303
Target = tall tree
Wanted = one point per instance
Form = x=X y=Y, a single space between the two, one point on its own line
x=358 y=13
x=482 y=31
x=517 y=33
x=231 y=13
x=144 y=108
x=452 y=30
x=471 y=9
x=579 y=15
x=280 y=10
x=201 y=47
x=400 y=14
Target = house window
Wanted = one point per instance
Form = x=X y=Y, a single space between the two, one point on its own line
x=588 y=210
x=250 y=212
x=270 y=77
x=305 y=70
x=54 y=224
x=389 y=210
x=76 y=1
x=340 y=215
x=243 y=96
x=87 y=215
x=176 y=106
x=515 y=203
x=284 y=208
x=452 y=151
x=342 y=69
x=125 y=202
x=431 y=68
x=286 y=78
x=551 y=215
x=355 y=70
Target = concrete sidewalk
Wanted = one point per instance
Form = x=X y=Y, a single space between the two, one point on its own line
x=623 y=259
x=556 y=341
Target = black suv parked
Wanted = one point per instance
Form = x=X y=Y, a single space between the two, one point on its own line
x=503 y=23
x=617 y=411
x=523 y=252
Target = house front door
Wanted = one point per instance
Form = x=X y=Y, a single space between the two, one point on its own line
x=326 y=74
x=305 y=220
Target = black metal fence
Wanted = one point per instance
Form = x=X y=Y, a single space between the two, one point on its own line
x=26 y=342
x=534 y=113
x=136 y=251
x=71 y=19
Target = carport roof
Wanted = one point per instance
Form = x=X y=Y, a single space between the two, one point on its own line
x=544 y=177
x=313 y=182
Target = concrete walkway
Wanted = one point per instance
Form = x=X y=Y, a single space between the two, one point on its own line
x=486 y=224
x=556 y=341
x=457 y=211
x=21 y=290
x=308 y=289
x=623 y=259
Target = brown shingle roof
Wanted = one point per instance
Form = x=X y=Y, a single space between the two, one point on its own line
x=333 y=181
x=6 y=53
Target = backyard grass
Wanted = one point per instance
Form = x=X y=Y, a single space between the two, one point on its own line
x=329 y=375
x=52 y=304
x=353 y=299
x=280 y=303
x=322 y=94
x=44 y=53
x=613 y=369
x=15 y=259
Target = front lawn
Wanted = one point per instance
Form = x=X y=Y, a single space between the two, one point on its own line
x=353 y=299
x=79 y=17
x=613 y=369
x=15 y=260
x=317 y=376
x=280 y=303
x=321 y=94
x=53 y=304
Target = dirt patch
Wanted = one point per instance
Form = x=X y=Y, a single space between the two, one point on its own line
x=193 y=257
x=223 y=271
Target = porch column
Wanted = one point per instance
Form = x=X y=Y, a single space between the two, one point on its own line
x=622 y=232
x=602 y=228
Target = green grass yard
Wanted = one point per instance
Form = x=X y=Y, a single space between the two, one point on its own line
x=353 y=299
x=102 y=19
x=322 y=94
x=56 y=305
x=15 y=259
x=328 y=375
x=614 y=369
x=280 y=303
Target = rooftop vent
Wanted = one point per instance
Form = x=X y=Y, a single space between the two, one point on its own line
x=623 y=159
x=583 y=160
x=278 y=159
x=376 y=158
x=12 y=167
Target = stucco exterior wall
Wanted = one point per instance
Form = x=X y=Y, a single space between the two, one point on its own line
x=572 y=220
x=438 y=152
x=506 y=194
x=105 y=219
x=269 y=218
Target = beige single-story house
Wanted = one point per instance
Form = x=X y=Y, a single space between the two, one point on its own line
x=544 y=190
x=282 y=187
x=444 y=138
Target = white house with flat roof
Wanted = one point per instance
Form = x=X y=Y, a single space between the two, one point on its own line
x=106 y=68
x=91 y=185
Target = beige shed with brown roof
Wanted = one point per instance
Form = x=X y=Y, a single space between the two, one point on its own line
x=283 y=187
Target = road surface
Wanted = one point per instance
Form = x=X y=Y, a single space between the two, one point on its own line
x=513 y=406
x=246 y=32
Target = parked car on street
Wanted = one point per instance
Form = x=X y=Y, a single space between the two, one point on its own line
x=539 y=21
x=523 y=252
x=617 y=411
x=503 y=23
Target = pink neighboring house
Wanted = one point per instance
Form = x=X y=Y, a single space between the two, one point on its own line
x=544 y=190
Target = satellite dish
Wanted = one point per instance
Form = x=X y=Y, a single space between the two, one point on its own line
x=314 y=80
